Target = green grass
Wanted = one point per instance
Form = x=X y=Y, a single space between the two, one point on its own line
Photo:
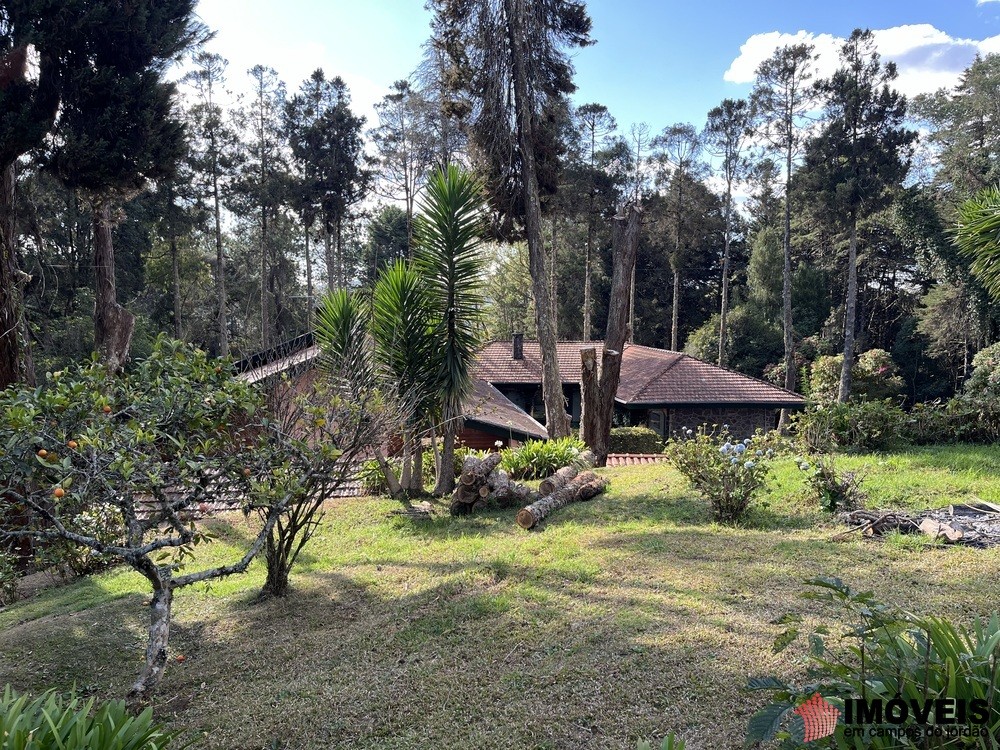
x=622 y=618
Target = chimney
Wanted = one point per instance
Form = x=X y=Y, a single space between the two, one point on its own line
x=518 y=346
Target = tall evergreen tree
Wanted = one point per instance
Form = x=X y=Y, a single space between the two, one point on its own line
x=859 y=156
x=509 y=59
x=212 y=144
x=676 y=151
x=726 y=135
x=118 y=130
x=781 y=97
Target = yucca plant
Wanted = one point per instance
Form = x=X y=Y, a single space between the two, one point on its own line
x=978 y=236
x=449 y=258
x=52 y=721
x=402 y=327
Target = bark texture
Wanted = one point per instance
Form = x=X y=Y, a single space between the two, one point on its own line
x=531 y=515
x=15 y=353
x=600 y=385
x=113 y=324
x=850 y=314
x=556 y=420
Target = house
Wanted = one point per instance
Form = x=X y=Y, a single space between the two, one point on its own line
x=662 y=389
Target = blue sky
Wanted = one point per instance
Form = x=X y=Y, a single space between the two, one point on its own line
x=655 y=61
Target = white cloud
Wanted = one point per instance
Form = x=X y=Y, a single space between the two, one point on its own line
x=983 y=2
x=926 y=57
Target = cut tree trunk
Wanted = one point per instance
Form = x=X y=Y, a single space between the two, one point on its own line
x=600 y=386
x=477 y=470
x=566 y=474
x=591 y=489
x=531 y=515
x=113 y=324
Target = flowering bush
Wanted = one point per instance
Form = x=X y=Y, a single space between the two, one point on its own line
x=727 y=472
x=875 y=377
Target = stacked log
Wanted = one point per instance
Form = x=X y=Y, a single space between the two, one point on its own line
x=580 y=487
x=483 y=484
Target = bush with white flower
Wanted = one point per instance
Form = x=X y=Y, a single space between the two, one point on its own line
x=728 y=471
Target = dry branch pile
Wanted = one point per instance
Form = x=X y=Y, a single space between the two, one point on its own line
x=975 y=525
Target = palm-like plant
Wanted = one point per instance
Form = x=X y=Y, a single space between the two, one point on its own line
x=401 y=326
x=978 y=237
x=448 y=238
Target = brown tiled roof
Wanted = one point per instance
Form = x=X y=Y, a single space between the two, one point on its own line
x=649 y=376
x=487 y=406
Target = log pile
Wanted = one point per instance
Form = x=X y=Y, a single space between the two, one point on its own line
x=579 y=487
x=483 y=483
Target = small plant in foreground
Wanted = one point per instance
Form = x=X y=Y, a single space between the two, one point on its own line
x=898 y=671
x=728 y=473
x=670 y=742
x=834 y=490
x=51 y=721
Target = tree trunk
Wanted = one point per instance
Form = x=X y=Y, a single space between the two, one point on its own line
x=278 y=565
x=309 y=286
x=407 y=467
x=395 y=489
x=675 y=312
x=175 y=267
x=598 y=389
x=586 y=282
x=265 y=339
x=341 y=276
x=113 y=324
x=220 y=260
x=445 y=484
x=331 y=261
x=15 y=351
x=786 y=290
x=724 y=312
x=850 y=314
x=556 y=421
x=159 y=635
x=417 y=471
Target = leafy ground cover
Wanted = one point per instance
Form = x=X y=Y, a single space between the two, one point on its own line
x=623 y=618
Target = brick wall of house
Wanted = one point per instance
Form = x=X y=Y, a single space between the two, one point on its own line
x=743 y=422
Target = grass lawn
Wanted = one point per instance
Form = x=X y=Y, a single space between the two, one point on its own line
x=622 y=618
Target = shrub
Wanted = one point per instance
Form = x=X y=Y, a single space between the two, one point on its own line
x=874 y=377
x=635 y=440
x=890 y=655
x=52 y=721
x=832 y=489
x=860 y=425
x=984 y=383
x=537 y=459
x=728 y=474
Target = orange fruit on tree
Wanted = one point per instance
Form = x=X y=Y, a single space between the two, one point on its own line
x=42 y=453
x=72 y=444
x=58 y=492
x=106 y=409
x=181 y=658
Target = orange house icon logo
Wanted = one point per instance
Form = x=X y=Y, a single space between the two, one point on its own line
x=819 y=716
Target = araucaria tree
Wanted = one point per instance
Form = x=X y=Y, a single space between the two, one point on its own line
x=781 y=97
x=508 y=58
x=726 y=135
x=861 y=154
